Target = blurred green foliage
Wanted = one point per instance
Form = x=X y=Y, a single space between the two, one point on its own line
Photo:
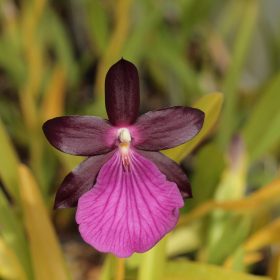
x=54 y=56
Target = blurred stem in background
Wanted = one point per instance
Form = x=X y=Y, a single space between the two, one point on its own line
x=115 y=45
x=153 y=262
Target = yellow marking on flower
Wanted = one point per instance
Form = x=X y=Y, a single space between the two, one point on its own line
x=124 y=138
x=123 y=145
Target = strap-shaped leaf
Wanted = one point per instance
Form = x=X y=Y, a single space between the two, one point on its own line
x=46 y=253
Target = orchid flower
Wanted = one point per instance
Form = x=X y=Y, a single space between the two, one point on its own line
x=127 y=193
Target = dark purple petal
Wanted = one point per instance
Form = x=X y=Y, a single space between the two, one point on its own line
x=166 y=128
x=80 y=135
x=172 y=171
x=79 y=181
x=122 y=93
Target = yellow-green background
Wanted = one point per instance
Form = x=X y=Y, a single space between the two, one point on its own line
x=221 y=56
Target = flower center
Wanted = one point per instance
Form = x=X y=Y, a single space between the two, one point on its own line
x=124 y=147
x=125 y=136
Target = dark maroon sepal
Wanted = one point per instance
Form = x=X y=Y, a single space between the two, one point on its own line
x=79 y=135
x=172 y=171
x=122 y=96
x=79 y=181
x=167 y=128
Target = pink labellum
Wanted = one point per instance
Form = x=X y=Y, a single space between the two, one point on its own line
x=128 y=211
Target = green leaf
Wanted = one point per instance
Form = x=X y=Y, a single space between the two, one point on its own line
x=11 y=60
x=211 y=105
x=45 y=249
x=97 y=20
x=185 y=239
x=238 y=260
x=262 y=131
x=108 y=268
x=113 y=268
x=167 y=53
x=228 y=242
x=242 y=42
x=134 y=261
x=14 y=236
x=231 y=187
x=194 y=12
x=137 y=43
x=205 y=179
x=231 y=14
x=153 y=262
x=200 y=271
x=8 y=165
x=10 y=267
x=58 y=38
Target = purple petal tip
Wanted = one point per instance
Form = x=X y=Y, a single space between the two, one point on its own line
x=122 y=95
x=167 y=128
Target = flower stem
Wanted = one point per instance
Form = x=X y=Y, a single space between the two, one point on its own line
x=108 y=267
x=152 y=264
x=120 y=269
x=113 y=268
